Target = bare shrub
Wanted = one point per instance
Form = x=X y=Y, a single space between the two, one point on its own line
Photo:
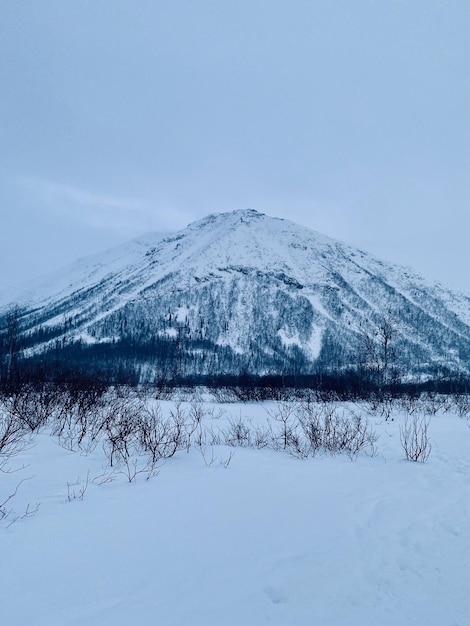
x=8 y=514
x=434 y=403
x=285 y=414
x=79 y=416
x=120 y=426
x=411 y=403
x=33 y=406
x=131 y=468
x=238 y=433
x=262 y=437
x=461 y=402
x=64 y=423
x=297 y=445
x=12 y=442
x=12 y=435
x=91 y=421
x=197 y=412
x=414 y=438
x=160 y=389
x=381 y=403
x=162 y=436
x=328 y=430
x=224 y=395
x=312 y=419
x=81 y=489
x=210 y=460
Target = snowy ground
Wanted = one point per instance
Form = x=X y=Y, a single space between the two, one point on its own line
x=261 y=538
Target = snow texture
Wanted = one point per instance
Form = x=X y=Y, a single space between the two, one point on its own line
x=269 y=539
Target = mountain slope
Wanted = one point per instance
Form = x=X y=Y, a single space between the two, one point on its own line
x=242 y=291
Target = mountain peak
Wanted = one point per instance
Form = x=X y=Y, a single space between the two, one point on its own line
x=227 y=219
x=247 y=214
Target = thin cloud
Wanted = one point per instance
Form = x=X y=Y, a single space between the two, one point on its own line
x=92 y=209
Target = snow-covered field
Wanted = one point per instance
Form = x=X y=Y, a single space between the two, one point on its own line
x=240 y=536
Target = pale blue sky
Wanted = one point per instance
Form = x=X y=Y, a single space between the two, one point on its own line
x=121 y=116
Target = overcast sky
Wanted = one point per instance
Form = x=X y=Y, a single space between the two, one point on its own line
x=122 y=116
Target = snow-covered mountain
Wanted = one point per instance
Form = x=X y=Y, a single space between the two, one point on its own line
x=242 y=291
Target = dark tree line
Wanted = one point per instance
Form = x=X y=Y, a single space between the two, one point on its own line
x=375 y=369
